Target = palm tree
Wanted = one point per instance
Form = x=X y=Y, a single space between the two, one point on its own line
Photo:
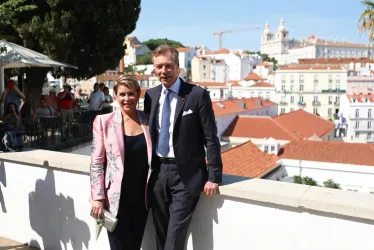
x=366 y=20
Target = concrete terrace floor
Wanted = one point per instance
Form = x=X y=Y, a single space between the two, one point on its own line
x=6 y=244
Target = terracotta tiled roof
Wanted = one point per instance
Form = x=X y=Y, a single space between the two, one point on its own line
x=335 y=60
x=138 y=45
x=307 y=67
x=141 y=77
x=142 y=92
x=221 y=51
x=342 y=44
x=265 y=64
x=235 y=84
x=247 y=160
x=257 y=127
x=294 y=125
x=210 y=84
x=303 y=124
x=361 y=98
x=182 y=50
x=233 y=106
x=262 y=84
x=253 y=77
x=334 y=152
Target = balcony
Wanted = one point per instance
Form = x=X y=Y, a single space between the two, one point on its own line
x=333 y=91
x=283 y=103
x=316 y=104
x=337 y=103
x=300 y=103
x=362 y=129
x=354 y=117
x=47 y=207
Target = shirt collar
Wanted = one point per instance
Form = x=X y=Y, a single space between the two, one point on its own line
x=175 y=87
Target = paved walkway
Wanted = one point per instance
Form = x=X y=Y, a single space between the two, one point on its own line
x=6 y=244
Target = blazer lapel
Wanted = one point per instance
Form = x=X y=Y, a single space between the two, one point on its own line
x=182 y=97
x=152 y=116
x=118 y=131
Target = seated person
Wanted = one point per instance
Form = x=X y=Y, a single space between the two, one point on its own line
x=11 y=118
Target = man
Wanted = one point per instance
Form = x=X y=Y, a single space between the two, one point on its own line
x=182 y=124
x=12 y=94
x=66 y=100
x=97 y=98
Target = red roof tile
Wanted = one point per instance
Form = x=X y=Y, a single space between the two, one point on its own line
x=182 y=50
x=221 y=51
x=262 y=84
x=232 y=107
x=253 y=77
x=247 y=160
x=141 y=77
x=361 y=98
x=325 y=151
x=210 y=84
x=294 y=125
x=308 y=67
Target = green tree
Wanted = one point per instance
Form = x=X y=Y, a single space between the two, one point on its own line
x=331 y=184
x=153 y=43
x=366 y=19
x=144 y=59
x=304 y=180
x=87 y=34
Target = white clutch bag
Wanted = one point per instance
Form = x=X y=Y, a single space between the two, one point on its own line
x=107 y=220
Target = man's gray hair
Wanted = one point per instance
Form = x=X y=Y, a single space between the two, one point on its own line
x=164 y=49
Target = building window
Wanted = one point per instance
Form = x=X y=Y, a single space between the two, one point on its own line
x=267 y=95
x=266 y=148
x=357 y=125
x=301 y=87
x=357 y=134
x=283 y=79
x=369 y=135
x=301 y=78
x=291 y=88
x=204 y=66
x=329 y=111
x=283 y=110
x=292 y=99
x=315 y=111
x=357 y=113
x=315 y=99
x=301 y=98
x=330 y=86
x=315 y=78
x=353 y=85
x=283 y=88
x=292 y=79
x=369 y=113
x=272 y=148
x=337 y=79
x=330 y=99
x=337 y=99
x=259 y=94
x=292 y=110
x=204 y=76
x=330 y=78
x=369 y=124
x=252 y=94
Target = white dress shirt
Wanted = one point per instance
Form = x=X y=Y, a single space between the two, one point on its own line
x=173 y=96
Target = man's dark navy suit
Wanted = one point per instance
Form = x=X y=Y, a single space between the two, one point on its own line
x=175 y=194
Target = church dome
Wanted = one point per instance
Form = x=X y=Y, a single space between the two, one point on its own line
x=282 y=28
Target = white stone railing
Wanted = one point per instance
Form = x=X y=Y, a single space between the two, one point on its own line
x=44 y=201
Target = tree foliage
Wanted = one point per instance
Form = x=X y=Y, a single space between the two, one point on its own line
x=153 y=43
x=366 y=19
x=265 y=58
x=144 y=59
x=86 y=33
x=311 y=182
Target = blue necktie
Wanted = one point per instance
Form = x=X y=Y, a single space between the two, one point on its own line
x=163 y=140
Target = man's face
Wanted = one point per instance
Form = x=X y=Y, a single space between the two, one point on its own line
x=96 y=87
x=166 y=69
x=42 y=103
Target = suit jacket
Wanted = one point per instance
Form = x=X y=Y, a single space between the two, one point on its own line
x=107 y=157
x=193 y=131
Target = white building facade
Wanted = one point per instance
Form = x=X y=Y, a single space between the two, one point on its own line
x=317 y=89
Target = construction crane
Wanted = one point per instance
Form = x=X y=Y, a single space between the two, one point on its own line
x=220 y=33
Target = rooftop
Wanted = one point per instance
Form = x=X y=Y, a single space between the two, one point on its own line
x=253 y=77
x=361 y=98
x=262 y=84
x=248 y=160
x=335 y=60
x=232 y=106
x=182 y=50
x=294 y=125
x=326 y=151
x=315 y=67
x=221 y=51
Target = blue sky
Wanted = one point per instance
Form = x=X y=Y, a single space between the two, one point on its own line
x=192 y=22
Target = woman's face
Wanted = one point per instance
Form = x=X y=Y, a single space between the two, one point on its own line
x=127 y=98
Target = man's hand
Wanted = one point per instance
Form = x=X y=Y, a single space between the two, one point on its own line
x=97 y=208
x=210 y=188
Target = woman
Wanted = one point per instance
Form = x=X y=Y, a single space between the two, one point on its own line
x=108 y=98
x=120 y=162
x=11 y=118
